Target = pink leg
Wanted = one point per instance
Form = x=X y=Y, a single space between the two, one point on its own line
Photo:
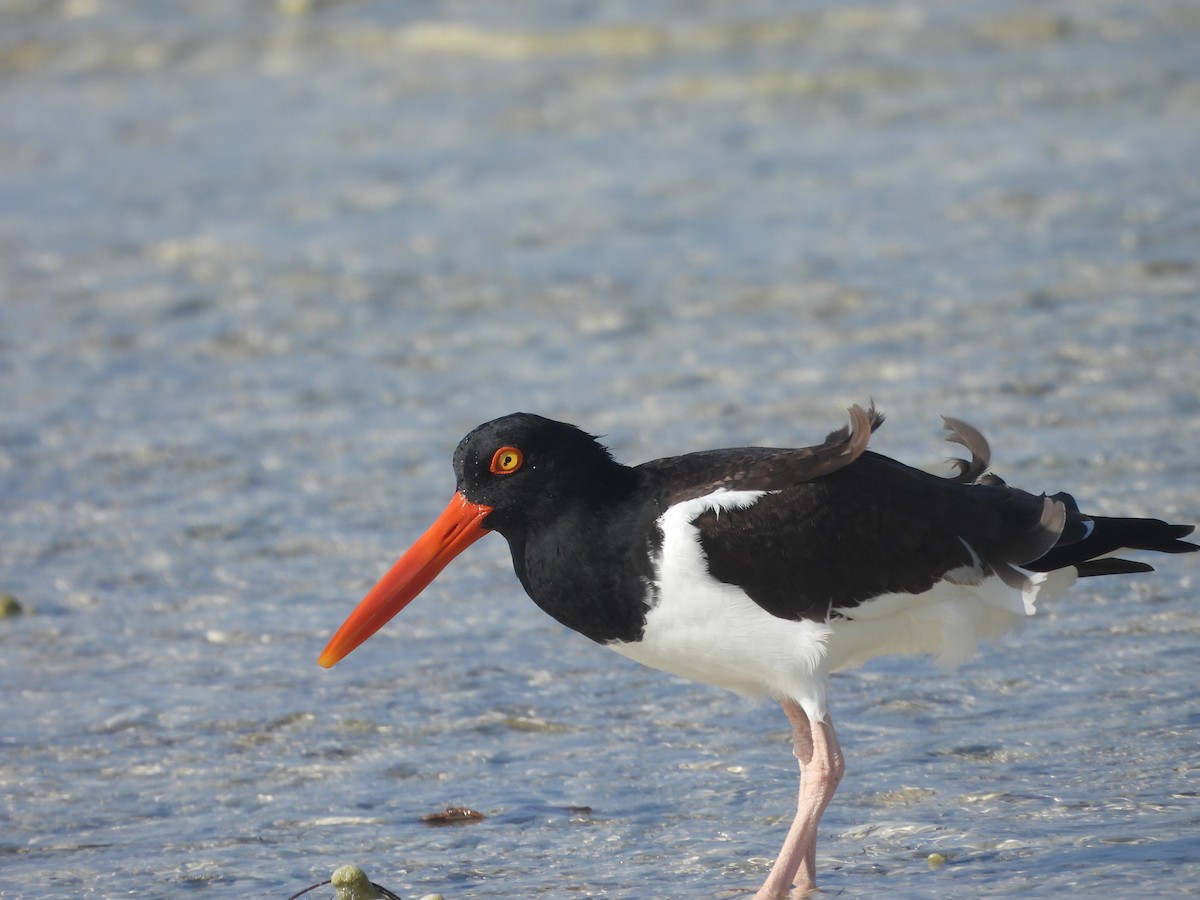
x=821 y=768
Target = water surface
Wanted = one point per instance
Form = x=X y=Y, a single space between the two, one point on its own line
x=262 y=265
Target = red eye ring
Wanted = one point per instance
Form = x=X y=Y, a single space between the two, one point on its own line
x=506 y=460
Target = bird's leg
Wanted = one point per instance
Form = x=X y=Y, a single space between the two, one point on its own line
x=821 y=767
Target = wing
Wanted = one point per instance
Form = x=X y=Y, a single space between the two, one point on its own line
x=874 y=527
x=841 y=524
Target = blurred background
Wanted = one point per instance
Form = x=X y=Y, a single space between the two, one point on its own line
x=262 y=265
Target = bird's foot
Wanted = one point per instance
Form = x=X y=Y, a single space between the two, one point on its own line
x=798 y=891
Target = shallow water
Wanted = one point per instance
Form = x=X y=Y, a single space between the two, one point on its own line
x=262 y=265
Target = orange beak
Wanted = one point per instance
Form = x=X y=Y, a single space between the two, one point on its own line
x=457 y=528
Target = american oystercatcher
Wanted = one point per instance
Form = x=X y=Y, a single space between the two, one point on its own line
x=763 y=570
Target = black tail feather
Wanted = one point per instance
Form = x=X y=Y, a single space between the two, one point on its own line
x=1109 y=535
x=1111 y=565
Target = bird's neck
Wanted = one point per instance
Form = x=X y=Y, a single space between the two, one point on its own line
x=590 y=567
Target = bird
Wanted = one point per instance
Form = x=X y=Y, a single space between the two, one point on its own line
x=762 y=569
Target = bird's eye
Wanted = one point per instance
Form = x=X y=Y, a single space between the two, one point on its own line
x=506 y=460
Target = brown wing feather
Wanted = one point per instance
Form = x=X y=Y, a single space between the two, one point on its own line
x=763 y=468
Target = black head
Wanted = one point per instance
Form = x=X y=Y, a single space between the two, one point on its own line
x=530 y=469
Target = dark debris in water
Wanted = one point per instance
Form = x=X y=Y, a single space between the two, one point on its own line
x=454 y=815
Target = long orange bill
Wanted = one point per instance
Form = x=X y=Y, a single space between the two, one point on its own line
x=457 y=528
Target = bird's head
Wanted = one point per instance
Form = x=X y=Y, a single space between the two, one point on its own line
x=513 y=473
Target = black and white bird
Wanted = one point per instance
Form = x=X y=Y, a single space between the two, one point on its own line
x=763 y=570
